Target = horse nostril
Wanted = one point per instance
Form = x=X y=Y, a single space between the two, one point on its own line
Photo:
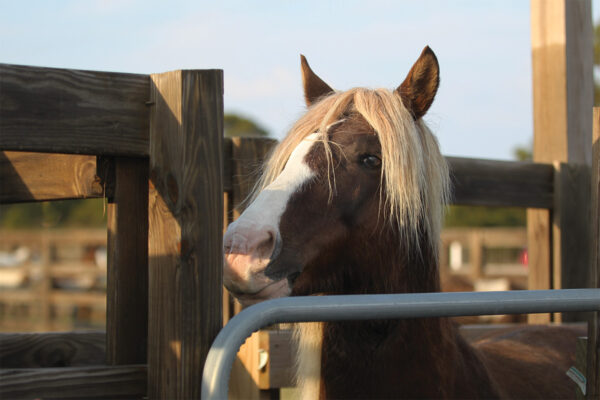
x=267 y=246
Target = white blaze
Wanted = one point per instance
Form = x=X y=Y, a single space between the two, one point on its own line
x=266 y=210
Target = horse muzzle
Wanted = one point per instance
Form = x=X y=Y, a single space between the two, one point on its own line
x=248 y=252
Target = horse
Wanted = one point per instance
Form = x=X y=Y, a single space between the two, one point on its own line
x=351 y=201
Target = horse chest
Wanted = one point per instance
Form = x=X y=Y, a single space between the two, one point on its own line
x=361 y=365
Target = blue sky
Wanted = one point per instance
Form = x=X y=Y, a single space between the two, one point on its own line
x=483 y=107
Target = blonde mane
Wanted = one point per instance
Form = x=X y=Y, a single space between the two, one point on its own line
x=415 y=175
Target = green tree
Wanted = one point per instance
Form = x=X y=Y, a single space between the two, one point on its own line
x=236 y=125
x=54 y=214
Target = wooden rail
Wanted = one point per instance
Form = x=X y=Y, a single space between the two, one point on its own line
x=70 y=111
x=98 y=382
x=27 y=176
x=501 y=183
x=475 y=181
x=43 y=350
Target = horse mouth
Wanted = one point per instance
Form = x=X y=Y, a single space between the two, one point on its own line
x=273 y=290
x=292 y=278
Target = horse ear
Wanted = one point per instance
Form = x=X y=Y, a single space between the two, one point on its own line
x=420 y=86
x=314 y=87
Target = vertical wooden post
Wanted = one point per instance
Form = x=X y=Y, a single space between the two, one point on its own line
x=185 y=229
x=127 y=280
x=593 y=350
x=561 y=36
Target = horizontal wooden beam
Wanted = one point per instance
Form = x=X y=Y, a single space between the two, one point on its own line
x=127 y=381
x=501 y=183
x=475 y=181
x=62 y=349
x=30 y=176
x=70 y=111
x=27 y=176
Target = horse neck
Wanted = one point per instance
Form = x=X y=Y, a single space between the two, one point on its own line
x=390 y=351
x=386 y=358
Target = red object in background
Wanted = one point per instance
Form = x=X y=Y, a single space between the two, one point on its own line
x=524 y=258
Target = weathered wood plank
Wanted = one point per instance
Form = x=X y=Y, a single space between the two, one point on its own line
x=27 y=176
x=561 y=34
x=571 y=230
x=245 y=379
x=71 y=111
x=63 y=349
x=562 y=63
x=127 y=279
x=593 y=350
x=74 y=382
x=501 y=183
x=185 y=229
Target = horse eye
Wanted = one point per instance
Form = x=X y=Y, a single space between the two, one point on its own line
x=370 y=161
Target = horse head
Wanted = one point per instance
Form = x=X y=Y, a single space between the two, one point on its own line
x=359 y=168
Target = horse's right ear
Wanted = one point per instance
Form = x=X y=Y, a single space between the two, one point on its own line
x=314 y=87
x=420 y=86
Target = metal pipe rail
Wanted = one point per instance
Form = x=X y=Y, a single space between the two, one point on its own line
x=215 y=378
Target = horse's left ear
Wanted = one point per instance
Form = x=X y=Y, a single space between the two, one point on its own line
x=314 y=87
x=420 y=86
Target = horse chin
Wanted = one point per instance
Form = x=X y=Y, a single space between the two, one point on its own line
x=273 y=290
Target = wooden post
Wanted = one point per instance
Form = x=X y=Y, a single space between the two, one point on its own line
x=127 y=270
x=561 y=36
x=593 y=350
x=185 y=229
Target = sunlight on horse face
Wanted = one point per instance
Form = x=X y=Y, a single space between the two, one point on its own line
x=304 y=213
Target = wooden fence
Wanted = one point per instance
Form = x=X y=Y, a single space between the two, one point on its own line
x=115 y=134
x=153 y=146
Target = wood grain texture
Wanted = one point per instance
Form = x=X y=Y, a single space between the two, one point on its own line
x=74 y=383
x=279 y=371
x=71 y=111
x=185 y=229
x=562 y=62
x=593 y=350
x=127 y=273
x=501 y=183
x=571 y=230
x=562 y=102
x=244 y=380
x=27 y=176
x=39 y=350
